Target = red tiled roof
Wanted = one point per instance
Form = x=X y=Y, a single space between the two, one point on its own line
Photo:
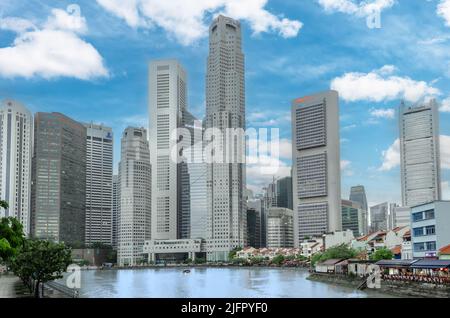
x=445 y=250
x=396 y=250
x=407 y=234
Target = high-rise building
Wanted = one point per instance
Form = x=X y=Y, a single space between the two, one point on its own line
x=419 y=154
x=99 y=184
x=353 y=218
x=135 y=176
x=358 y=195
x=284 y=193
x=59 y=179
x=170 y=185
x=379 y=217
x=402 y=216
x=254 y=227
x=316 y=165
x=16 y=144
x=271 y=195
x=197 y=178
x=280 y=228
x=257 y=204
x=115 y=210
x=225 y=110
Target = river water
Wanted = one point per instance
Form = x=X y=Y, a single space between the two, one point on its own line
x=211 y=283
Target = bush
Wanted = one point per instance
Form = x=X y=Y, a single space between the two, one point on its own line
x=382 y=254
x=278 y=260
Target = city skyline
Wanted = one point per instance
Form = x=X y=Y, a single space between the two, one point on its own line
x=367 y=115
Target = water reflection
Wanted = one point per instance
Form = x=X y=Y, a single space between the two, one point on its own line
x=210 y=282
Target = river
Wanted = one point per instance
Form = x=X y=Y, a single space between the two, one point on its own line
x=228 y=282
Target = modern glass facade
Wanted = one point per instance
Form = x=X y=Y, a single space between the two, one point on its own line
x=59 y=179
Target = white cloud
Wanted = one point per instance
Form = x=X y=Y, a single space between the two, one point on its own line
x=383 y=113
x=361 y=8
x=53 y=50
x=185 y=19
x=445 y=106
x=380 y=85
x=261 y=174
x=346 y=168
x=391 y=156
x=443 y=10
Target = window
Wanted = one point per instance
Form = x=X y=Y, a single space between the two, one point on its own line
x=418 y=231
x=417 y=216
x=430 y=230
x=429 y=214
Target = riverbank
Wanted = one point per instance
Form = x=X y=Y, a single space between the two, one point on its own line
x=395 y=288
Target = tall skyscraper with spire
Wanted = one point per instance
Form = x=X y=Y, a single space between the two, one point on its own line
x=16 y=144
x=225 y=109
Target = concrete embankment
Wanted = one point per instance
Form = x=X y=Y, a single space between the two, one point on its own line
x=395 y=288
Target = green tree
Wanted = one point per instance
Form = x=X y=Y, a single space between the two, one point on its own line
x=41 y=262
x=342 y=251
x=278 y=260
x=199 y=260
x=233 y=253
x=381 y=254
x=4 y=204
x=11 y=237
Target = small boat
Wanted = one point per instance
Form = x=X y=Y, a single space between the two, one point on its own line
x=186 y=271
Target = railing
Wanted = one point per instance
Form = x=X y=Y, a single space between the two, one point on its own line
x=418 y=278
x=70 y=292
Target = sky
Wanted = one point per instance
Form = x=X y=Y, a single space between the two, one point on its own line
x=89 y=60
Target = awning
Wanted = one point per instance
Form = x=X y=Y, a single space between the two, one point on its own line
x=396 y=263
x=431 y=264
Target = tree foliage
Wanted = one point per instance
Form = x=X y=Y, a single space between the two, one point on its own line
x=41 y=261
x=12 y=237
x=342 y=251
x=278 y=260
x=382 y=254
x=233 y=253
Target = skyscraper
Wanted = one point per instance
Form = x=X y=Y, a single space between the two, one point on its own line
x=353 y=218
x=59 y=179
x=115 y=210
x=135 y=196
x=254 y=227
x=419 y=154
x=379 y=217
x=170 y=185
x=99 y=173
x=257 y=204
x=16 y=144
x=284 y=193
x=358 y=195
x=316 y=165
x=225 y=109
x=280 y=228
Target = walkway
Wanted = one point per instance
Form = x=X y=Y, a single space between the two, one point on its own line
x=8 y=285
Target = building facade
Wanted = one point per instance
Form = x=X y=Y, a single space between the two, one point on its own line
x=16 y=149
x=358 y=195
x=59 y=179
x=419 y=154
x=402 y=216
x=280 y=228
x=225 y=111
x=253 y=227
x=170 y=185
x=135 y=177
x=284 y=193
x=99 y=184
x=257 y=204
x=353 y=217
x=430 y=228
x=379 y=217
x=316 y=165
x=115 y=210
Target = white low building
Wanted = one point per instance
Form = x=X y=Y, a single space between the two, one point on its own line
x=338 y=238
x=173 y=250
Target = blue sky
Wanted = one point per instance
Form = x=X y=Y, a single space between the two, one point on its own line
x=92 y=66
